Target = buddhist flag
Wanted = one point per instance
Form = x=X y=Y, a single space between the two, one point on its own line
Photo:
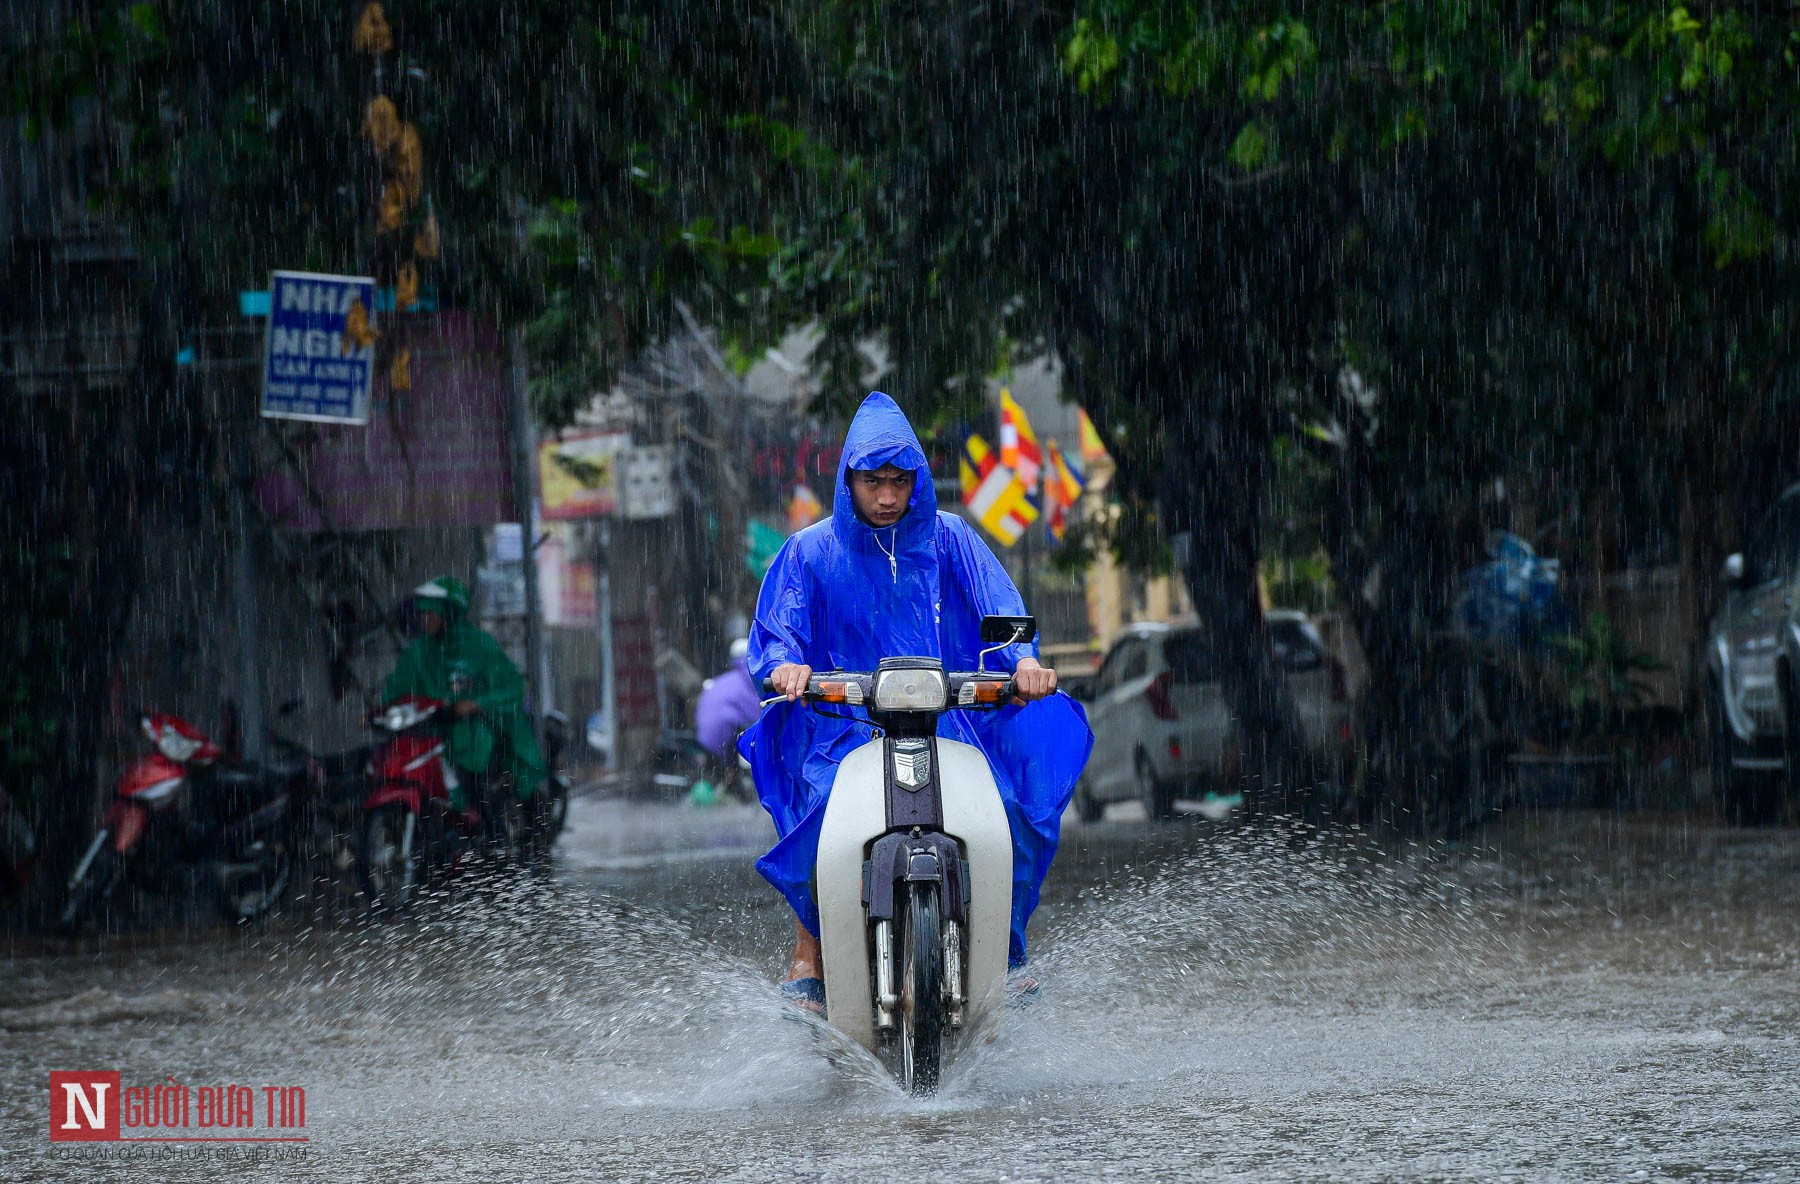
x=804 y=508
x=1019 y=449
x=1066 y=476
x=993 y=494
x=1063 y=484
x=1091 y=447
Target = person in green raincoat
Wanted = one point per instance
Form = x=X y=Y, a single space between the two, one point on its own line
x=462 y=665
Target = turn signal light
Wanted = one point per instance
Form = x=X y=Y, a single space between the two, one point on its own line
x=982 y=692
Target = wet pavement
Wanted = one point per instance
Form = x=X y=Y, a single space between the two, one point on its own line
x=1581 y=997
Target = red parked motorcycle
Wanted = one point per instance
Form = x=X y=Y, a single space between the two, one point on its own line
x=181 y=807
x=411 y=835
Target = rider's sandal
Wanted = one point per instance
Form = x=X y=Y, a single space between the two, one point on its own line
x=806 y=994
x=1022 y=991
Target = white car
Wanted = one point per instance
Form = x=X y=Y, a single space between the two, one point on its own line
x=1752 y=656
x=1162 y=728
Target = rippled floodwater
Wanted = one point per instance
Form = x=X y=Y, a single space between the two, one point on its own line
x=1580 y=998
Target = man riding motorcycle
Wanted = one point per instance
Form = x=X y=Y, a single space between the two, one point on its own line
x=889 y=574
x=462 y=665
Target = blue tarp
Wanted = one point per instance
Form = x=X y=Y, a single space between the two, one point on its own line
x=843 y=595
x=1515 y=599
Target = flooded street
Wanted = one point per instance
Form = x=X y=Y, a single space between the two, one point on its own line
x=1582 y=998
x=427 y=413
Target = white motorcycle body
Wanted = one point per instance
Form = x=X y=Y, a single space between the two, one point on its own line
x=856 y=816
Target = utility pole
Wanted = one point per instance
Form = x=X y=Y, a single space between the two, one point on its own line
x=251 y=654
x=524 y=451
x=609 y=684
x=226 y=404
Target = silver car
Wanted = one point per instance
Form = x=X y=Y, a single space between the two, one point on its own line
x=1162 y=729
x=1753 y=670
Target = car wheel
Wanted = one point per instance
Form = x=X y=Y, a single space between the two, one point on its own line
x=1790 y=742
x=1743 y=797
x=1086 y=808
x=1159 y=802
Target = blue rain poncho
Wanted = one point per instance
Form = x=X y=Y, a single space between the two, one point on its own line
x=842 y=595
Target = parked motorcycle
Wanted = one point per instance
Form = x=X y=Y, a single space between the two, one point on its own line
x=914 y=874
x=682 y=769
x=182 y=807
x=411 y=836
x=676 y=761
x=550 y=804
x=332 y=827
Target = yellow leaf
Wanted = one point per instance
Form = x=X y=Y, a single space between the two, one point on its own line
x=381 y=123
x=425 y=245
x=359 y=333
x=408 y=164
x=392 y=210
x=400 y=373
x=406 y=287
x=372 y=36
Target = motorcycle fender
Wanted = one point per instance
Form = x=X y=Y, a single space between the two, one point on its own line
x=975 y=816
x=126 y=822
x=394 y=791
x=856 y=816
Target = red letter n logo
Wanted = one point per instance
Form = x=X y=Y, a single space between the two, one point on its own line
x=84 y=1106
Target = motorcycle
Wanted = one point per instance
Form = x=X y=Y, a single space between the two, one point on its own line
x=682 y=769
x=550 y=804
x=411 y=835
x=332 y=825
x=914 y=873
x=676 y=762
x=182 y=806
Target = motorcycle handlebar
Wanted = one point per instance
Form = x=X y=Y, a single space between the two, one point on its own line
x=856 y=688
x=444 y=713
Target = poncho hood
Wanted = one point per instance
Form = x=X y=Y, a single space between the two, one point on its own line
x=879 y=435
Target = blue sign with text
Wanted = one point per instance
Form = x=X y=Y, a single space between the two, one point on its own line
x=319 y=360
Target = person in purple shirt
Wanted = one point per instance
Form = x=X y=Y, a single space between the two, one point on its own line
x=728 y=704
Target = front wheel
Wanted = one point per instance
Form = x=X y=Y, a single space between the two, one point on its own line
x=921 y=992
x=549 y=808
x=255 y=879
x=393 y=857
x=509 y=832
x=92 y=884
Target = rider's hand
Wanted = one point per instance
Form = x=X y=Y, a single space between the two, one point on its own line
x=464 y=708
x=1032 y=682
x=790 y=679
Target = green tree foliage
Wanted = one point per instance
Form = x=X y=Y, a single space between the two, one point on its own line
x=581 y=167
x=1558 y=243
x=1435 y=243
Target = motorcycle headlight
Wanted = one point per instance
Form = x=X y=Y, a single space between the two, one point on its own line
x=919 y=689
x=175 y=746
x=400 y=717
